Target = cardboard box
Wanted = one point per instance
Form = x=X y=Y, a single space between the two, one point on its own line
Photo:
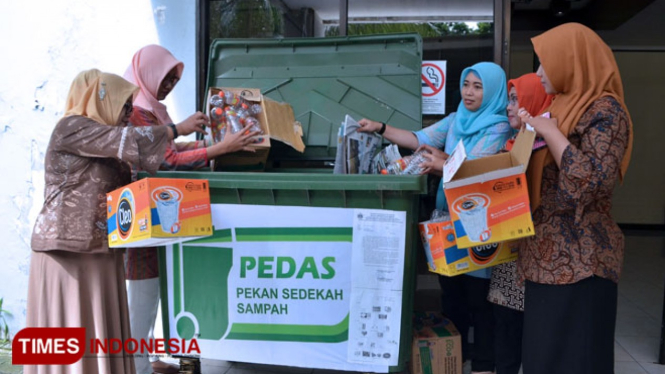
x=437 y=345
x=277 y=122
x=158 y=211
x=446 y=258
x=488 y=197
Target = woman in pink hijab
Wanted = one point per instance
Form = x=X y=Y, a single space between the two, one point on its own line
x=156 y=72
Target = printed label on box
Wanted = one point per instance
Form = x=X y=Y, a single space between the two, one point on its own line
x=490 y=212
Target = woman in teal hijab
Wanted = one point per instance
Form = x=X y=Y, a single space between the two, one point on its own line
x=472 y=125
x=480 y=122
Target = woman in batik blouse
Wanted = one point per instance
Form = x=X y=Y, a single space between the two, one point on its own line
x=572 y=265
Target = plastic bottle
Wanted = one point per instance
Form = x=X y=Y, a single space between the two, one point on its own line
x=217 y=115
x=220 y=132
x=254 y=124
x=226 y=95
x=217 y=100
x=414 y=163
x=439 y=216
x=233 y=120
x=218 y=123
x=246 y=118
x=232 y=99
x=406 y=165
x=255 y=109
x=396 y=167
x=242 y=112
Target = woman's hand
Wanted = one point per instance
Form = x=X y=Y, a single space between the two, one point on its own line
x=544 y=126
x=548 y=128
x=367 y=125
x=239 y=141
x=193 y=123
x=434 y=160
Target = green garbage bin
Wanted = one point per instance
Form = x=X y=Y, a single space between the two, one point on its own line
x=323 y=79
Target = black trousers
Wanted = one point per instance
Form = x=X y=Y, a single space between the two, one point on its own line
x=569 y=328
x=464 y=301
x=508 y=339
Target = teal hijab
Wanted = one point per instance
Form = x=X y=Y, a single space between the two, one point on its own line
x=471 y=126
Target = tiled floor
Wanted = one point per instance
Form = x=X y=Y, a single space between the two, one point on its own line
x=638 y=321
x=640 y=306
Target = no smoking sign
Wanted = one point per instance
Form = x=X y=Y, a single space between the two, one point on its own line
x=433 y=79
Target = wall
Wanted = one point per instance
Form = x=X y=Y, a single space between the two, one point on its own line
x=44 y=44
x=641 y=198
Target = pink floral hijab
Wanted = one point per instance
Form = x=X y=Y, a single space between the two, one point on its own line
x=150 y=65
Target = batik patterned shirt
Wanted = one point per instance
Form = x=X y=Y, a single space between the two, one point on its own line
x=576 y=237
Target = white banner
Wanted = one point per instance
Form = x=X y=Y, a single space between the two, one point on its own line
x=294 y=286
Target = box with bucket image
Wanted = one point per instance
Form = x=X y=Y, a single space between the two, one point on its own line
x=488 y=197
x=444 y=257
x=158 y=211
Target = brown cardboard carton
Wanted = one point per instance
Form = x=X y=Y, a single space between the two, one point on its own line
x=277 y=123
x=437 y=345
x=488 y=197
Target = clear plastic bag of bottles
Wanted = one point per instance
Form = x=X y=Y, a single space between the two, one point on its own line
x=439 y=216
x=406 y=165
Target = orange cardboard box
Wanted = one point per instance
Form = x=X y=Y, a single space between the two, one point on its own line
x=488 y=197
x=158 y=211
x=444 y=257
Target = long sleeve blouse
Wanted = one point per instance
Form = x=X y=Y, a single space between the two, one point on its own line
x=179 y=155
x=84 y=161
x=576 y=237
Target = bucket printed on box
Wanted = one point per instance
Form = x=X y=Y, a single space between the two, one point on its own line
x=167 y=200
x=472 y=211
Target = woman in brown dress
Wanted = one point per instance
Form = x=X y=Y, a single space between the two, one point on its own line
x=75 y=279
x=572 y=264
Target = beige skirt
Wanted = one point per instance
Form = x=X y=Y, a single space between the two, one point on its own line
x=68 y=289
